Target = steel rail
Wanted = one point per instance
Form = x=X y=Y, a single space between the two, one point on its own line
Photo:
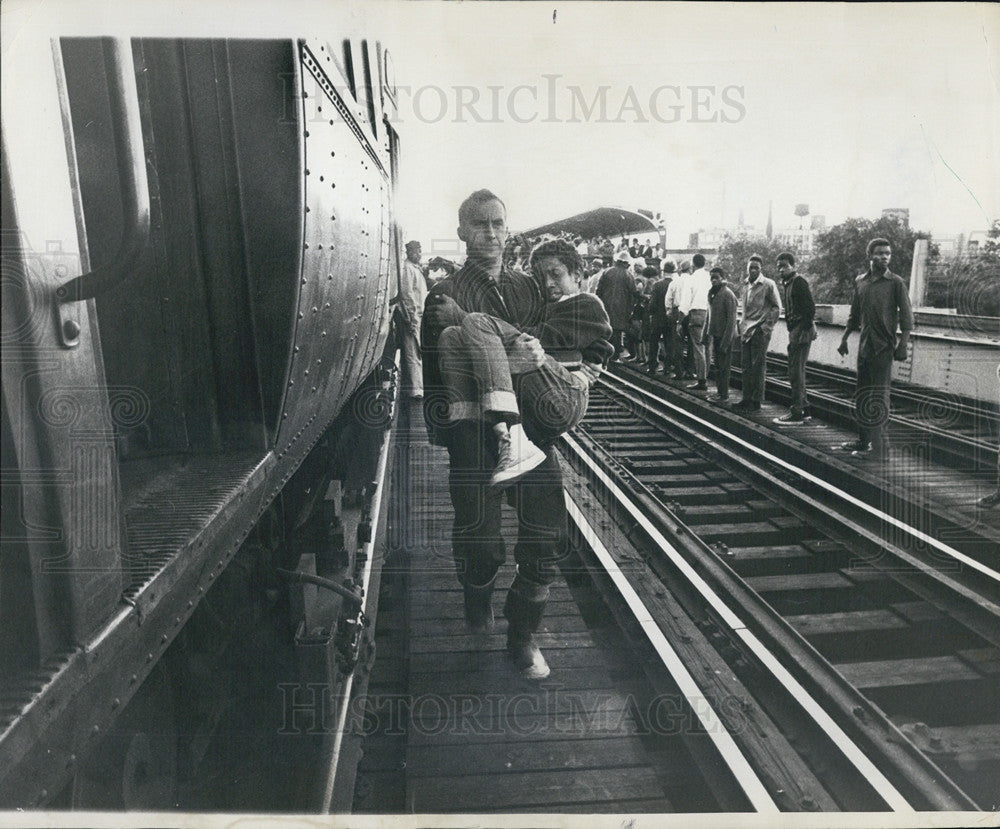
x=874 y=512
x=851 y=751
x=901 y=396
x=738 y=764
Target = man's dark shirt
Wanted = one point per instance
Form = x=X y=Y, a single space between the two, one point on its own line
x=800 y=309
x=722 y=314
x=880 y=305
x=657 y=296
x=514 y=297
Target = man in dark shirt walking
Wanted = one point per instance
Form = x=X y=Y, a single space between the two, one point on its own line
x=881 y=304
x=800 y=311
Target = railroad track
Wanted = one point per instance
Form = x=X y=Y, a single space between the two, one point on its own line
x=853 y=630
x=960 y=433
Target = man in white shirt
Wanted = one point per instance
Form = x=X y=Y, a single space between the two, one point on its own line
x=412 y=295
x=693 y=305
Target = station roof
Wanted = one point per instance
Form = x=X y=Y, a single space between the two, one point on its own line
x=602 y=221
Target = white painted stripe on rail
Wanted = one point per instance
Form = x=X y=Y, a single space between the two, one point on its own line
x=714 y=727
x=856 y=502
x=876 y=779
x=847 y=746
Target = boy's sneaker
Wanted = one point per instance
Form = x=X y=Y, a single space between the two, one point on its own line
x=859 y=447
x=518 y=456
x=527 y=657
x=791 y=419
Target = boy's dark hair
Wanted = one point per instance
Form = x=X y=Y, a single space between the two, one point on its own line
x=649 y=271
x=561 y=250
x=719 y=271
x=788 y=257
x=698 y=260
x=875 y=243
x=757 y=259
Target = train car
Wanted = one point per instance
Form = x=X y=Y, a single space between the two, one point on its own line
x=198 y=260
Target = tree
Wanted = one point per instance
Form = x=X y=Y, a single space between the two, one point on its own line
x=839 y=255
x=736 y=250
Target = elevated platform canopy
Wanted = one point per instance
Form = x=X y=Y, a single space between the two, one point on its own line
x=602 y=221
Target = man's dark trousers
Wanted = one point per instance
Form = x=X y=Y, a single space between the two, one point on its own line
x=660 y=329
x=753 y=359
x=723 y=364
x=798 y=354
x=872 y=397
x=477 y=545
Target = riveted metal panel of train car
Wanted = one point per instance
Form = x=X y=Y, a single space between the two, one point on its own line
x=196 y=280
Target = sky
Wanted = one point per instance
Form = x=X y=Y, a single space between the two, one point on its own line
x=846 y=108
x=710 y=110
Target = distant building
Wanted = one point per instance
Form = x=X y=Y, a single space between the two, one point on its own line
x=712 y=239
x=798 y=239
x=899 y=214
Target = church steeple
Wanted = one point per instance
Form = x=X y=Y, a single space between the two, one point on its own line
x=770 y=228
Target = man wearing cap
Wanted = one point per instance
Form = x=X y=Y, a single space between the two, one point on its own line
x=616 y=289
x=412 y=294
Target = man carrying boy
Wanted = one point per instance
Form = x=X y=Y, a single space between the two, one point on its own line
x=549 y=400
x=477 y=546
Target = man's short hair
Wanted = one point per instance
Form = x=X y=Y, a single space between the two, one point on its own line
x=698 y=260
x=717 y=270
x=685 y=266
x=479 y=197
x=877 y=243
x=787 y=256
x=669 y=267
x=561 y=250
x=757 y=259
x=412 y=244
x=649 y=272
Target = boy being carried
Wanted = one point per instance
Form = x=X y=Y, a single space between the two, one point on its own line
x=529 y=407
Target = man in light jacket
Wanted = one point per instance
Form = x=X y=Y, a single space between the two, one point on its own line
x=761 y=309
